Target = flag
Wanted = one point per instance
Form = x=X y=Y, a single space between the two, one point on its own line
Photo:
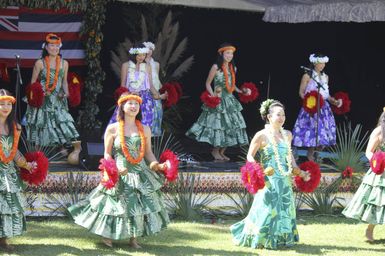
x=23 y=31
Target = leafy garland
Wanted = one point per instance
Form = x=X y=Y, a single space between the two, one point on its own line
x=94 y=18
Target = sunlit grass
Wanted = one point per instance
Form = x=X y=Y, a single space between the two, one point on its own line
x=319 y=235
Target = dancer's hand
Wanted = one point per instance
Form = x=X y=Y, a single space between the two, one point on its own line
x=123 y=171
x=305 y=175
x=339 y=103
x=31 y=166
x=164 y=96
x=162 y=166
x=296 y=171
x=269 y=171
x=246 y=91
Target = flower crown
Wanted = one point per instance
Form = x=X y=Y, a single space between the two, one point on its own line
x=314 y=59
x=138 y=50
x=383 y=109
x=52 y=39
x=149 y=45
x=264 y=109
x=7 y=97
x=129 y=97
x=223 y=49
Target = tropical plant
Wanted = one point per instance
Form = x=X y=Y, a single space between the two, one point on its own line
x=349 y=149
x=183 y=199
x=168 y=52
x=321 y=201
x=65 y=196
x=242 y=201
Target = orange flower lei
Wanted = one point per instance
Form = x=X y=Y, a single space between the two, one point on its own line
x=124 y=146
x=15 y=144
x=49 y=89
x=224 y=68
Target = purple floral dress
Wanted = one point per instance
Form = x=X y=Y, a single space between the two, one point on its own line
x=304 y=132
x=140 y=84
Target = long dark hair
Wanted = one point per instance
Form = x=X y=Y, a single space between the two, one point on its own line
x=11 y=119
x=220 y=60
x=132 y=57
x=381 y=122
x=45 y=53
x=121 y=111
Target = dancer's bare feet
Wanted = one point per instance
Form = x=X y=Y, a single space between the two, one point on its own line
x=369 y=233
x=222 y=153
x=217 y=156
x=107 y=242
x=134 y=244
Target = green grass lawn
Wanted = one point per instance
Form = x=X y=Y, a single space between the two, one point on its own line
x=319 y=235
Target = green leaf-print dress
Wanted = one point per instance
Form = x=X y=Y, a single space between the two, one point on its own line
x=51 y=124
x=271 y=220
x=224 y=125
x=134 y=207
x=368 y=203
x=12 y=201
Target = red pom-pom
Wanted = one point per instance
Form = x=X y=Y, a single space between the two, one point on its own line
x=178 y=89
x=172 y=162
x=315 y=177
x=39 y=173
x=252 y=177
x=254 y=93
x=119 y=91
x=345 y=107
x=347 y=173
x=109 y=173
x=35 y=94
x=210 y=101
x=377 y=163
x=309 y=103
x=172 y=94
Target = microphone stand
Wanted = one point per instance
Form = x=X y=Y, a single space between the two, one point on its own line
x=319 y=86
x=19 y=82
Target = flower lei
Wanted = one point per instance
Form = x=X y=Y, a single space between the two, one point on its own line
x=49 y=89
x=276 y=154
x=314 y=59
x=15 y=144
x=124 y=146
x=225 y=73
x=135 y=84
x=265 y=107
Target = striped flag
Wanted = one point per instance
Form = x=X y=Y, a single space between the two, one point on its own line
x=23 y=31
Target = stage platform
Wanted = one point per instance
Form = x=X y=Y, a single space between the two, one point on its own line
x=67 y=183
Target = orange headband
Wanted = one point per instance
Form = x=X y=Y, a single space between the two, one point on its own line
x=129 y=97
x=52 y=41
x=10 y=98
x=226 y=48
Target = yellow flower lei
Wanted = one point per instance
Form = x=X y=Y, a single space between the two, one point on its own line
x=276 y=154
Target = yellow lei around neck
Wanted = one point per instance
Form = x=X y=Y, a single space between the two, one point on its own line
x=270 y=136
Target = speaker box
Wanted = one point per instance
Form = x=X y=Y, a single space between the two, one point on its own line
x=91 y=154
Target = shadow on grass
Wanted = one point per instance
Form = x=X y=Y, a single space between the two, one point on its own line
x=165 y=250
x=52 y=250
x=324 y=219
x=308 y=249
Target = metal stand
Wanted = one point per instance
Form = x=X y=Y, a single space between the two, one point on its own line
x=19 y=83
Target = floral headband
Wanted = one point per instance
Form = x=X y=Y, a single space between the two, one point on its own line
x=383 y=109
x=52 y=39
x=129 y=97
x=223 y=49
x=264 y=109
x=138 y=50
x=149 y=45
x=7 y=97
x=314 y=59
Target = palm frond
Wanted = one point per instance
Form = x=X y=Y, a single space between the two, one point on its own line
x=182 y=68
x=177 y=54
x=171 y=39
x=144 y=28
